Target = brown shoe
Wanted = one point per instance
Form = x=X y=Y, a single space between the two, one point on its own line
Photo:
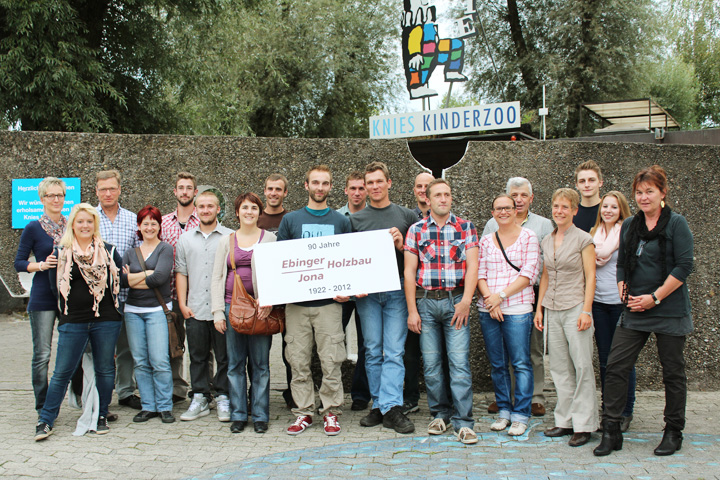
x=579 y=439
x=558 y=432
x=493 y=408
x=537 y=409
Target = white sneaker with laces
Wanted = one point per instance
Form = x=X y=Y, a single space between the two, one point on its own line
x=517 y=429
x=500 y=424
x=223 y=408
x=437 y=427
x=198 y=408
x=467 y=436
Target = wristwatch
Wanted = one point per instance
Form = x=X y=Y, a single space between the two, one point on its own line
x=589 y=314
x=655 y=299
x=502 y=295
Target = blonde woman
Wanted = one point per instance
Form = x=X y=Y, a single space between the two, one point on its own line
x=567 y=289
x=87 y=281
x=607 y=305
x=40 y=237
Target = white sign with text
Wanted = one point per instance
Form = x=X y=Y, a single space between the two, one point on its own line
x=324 y=267
x=474 y=118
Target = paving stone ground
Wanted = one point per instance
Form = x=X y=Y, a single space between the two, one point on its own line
x=206 y=449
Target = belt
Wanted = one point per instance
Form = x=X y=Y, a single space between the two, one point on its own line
x=438 y=294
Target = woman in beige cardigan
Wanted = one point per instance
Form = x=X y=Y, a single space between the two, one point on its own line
x=242 y=349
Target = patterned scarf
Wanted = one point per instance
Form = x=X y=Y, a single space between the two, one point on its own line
x=94 y=265
x=606 y=243
x=54 y=230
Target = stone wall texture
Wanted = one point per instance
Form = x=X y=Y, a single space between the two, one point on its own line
x=234 y=165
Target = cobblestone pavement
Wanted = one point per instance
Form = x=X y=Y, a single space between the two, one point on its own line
x=206 y=449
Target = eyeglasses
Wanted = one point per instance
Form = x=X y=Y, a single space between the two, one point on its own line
x=54 y=196
x=504 y=209
x=641 y=247
x=108 y=190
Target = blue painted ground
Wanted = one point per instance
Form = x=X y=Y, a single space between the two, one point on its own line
x=496 y=455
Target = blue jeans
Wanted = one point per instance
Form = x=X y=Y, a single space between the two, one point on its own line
x=436 y=337
x=42 y=324
x=240 y=348
x=147 y=335
x=383 y=317
x=72 y=340
x=508 y=343
x=605 y=317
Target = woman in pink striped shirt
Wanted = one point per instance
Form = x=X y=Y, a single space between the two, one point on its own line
x=509 y=263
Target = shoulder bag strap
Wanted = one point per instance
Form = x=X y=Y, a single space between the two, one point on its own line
x=158 y=295
x=502 y=249
x=238 y=280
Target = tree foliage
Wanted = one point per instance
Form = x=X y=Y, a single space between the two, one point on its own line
x=315 y=68
x=311 y=68
x=583 y=50
x=697 y=24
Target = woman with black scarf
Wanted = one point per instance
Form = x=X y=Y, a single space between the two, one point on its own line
x=655 y=258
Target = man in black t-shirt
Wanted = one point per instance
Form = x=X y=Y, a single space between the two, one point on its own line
x=588 y=181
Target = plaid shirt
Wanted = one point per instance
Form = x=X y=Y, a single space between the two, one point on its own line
x=171 y=231
x=121 y=233
x=441 y=251
x=493 y=268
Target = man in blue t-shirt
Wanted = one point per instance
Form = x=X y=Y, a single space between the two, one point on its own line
x=317 y=322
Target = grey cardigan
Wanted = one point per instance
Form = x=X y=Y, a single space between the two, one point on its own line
x=220 y=271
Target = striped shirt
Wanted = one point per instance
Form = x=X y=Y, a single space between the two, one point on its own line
x=171 y=231
x=495 y=270
x=441 y=251
x=121 y=233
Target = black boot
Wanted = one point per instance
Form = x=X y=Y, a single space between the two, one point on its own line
x=671 y=442
x=612 y=439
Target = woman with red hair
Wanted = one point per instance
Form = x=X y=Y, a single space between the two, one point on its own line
x=145 y=320
x=654 y=261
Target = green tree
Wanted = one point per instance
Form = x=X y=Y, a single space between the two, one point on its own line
x=583 y=50
x=697 y=28
x=310 y=68
x=77 y=65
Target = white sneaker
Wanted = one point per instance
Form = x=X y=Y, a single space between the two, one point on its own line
x=500 y=424
x=437 y=427
x=198 y=408
x=223 y=408
x=517 y=429
x=467 y=436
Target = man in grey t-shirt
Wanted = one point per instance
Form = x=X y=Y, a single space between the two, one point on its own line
x=384 y=315
x=520 y=189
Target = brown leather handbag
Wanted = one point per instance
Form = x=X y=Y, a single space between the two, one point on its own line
x=244 y=308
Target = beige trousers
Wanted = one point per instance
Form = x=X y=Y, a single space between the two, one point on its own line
x=571 y=367
x=321 y=326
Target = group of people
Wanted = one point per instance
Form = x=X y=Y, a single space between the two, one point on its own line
x=108 y=276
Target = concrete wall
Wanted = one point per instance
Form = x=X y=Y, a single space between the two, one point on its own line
x=149 y=164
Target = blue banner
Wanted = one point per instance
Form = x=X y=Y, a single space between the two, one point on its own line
x=26 y=204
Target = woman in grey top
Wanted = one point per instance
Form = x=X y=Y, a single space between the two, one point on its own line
x=655 y=258
x=145 y=319
x=607 y=306
x=567 y=288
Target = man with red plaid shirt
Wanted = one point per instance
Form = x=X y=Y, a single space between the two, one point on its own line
x=441 y=260
x=174 y=224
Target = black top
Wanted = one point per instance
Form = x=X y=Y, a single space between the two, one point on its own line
x=586 y=217
x=80 y=302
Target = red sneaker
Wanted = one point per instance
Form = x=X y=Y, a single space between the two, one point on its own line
x=302 y=422
x=332 y=426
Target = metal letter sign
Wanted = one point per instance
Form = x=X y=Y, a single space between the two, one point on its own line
x=475 y=118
